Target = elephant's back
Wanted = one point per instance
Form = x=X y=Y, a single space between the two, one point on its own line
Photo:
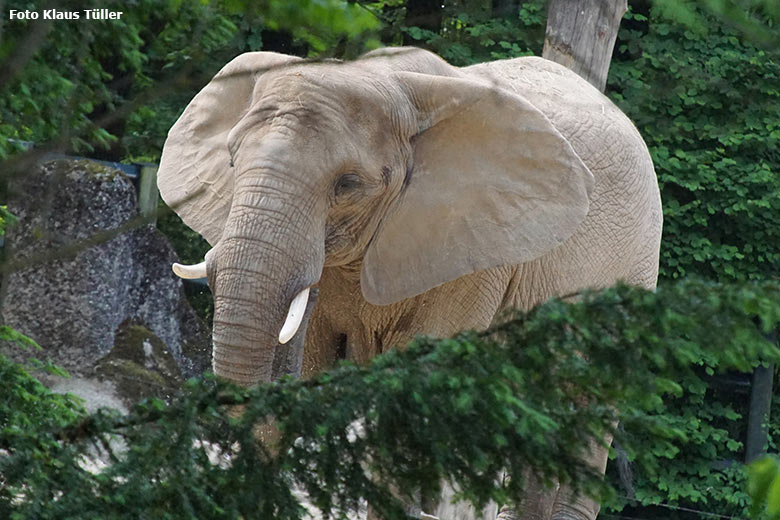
x=551 y=87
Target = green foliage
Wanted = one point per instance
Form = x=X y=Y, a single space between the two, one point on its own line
x=200 y=458
x=705 y=102
x=6 y=218
x=763 y=486
x=27 y=409
x=82 y=77
x=699 y=466
x=703 y=99
x=122 y=84
x=319 y=23
x=704 y=96
x=473 y=32
x=754 y=19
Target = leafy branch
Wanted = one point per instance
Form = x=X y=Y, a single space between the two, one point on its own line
x=530 y=393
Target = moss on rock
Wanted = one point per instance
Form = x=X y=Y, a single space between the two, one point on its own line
x=140 y=365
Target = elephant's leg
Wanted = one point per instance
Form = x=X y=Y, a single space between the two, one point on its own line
x=570 y=506
x=576 y=508
x=470 y=302
x=559 y=502
x=537 y=503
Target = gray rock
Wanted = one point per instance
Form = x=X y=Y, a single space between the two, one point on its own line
x=95 y=392
x=86 y=264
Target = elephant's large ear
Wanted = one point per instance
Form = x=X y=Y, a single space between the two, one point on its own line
x=195 y=177
x=493 y=183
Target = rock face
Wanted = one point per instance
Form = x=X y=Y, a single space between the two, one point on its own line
x=86 y=264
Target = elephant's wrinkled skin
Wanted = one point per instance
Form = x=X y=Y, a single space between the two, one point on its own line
x=415 y=196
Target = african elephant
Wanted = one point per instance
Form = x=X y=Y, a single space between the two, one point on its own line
x=415 y=196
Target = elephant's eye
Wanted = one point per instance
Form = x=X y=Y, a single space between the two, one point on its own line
x=346 y=184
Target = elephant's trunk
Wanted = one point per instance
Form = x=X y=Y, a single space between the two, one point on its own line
x=269 y=253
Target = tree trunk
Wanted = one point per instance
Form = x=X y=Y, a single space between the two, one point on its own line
x=581 y=35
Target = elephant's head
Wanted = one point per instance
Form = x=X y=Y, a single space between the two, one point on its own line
x=398 y=163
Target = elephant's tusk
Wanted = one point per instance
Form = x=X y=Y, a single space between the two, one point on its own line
x=190 y=272
x=294 y=316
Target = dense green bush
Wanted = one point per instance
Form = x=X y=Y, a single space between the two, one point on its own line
x=534 y=406
x=706 y=103
x=705 y=100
